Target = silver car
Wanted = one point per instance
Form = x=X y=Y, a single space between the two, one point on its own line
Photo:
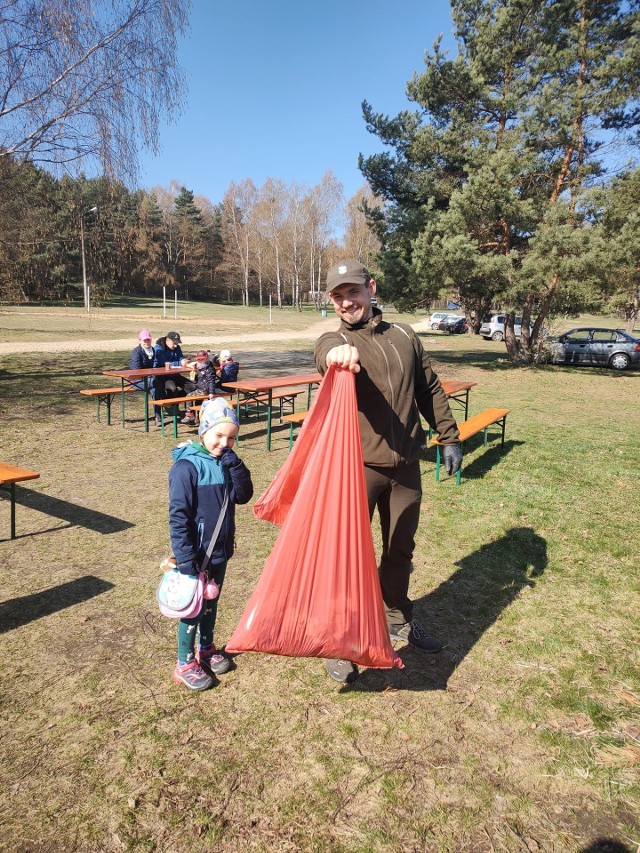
x=606 y=347
x=492 y=328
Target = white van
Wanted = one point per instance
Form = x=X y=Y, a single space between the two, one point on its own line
x=435 y=318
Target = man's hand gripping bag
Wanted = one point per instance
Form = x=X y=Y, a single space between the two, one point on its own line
x=319 y=594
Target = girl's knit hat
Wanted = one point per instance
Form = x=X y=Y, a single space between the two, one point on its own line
x=215 y=412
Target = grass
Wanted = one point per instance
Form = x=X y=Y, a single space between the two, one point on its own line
x=523 y=734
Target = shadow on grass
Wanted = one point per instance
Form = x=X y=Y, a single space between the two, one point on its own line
x=28 y=608
x=606 y=845
x=74 y=514
x=477 y=469
x=462 y=608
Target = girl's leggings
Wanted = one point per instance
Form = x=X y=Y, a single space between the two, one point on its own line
x=205 y=621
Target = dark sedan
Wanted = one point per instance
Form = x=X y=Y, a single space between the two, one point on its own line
x=605 y=347
x=453 y=325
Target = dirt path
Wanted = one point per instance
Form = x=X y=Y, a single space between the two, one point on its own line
x=247 y=342
x=243 y=341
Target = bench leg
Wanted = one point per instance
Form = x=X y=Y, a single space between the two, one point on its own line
x=504 y=426
x=437 y=463
x=107 y=401
x=98 y=408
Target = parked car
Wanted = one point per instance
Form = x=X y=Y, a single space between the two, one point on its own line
x=606 y=347
x=435 y=318
x=492 y=328
x=453 y=325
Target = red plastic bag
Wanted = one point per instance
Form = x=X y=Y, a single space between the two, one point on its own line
x=319 y=594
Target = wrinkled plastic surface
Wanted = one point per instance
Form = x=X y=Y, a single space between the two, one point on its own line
x=319 y=594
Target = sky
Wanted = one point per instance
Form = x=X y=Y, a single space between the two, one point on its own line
x=276 y=86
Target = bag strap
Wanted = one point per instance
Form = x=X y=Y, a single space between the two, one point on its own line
x=216 y=532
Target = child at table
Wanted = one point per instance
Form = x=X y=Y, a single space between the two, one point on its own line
x=202 y=380
x=202 y=473
x=228 y=367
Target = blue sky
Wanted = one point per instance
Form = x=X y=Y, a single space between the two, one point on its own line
x=275 y=88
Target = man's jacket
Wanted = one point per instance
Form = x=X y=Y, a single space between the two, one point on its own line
x=395 y=384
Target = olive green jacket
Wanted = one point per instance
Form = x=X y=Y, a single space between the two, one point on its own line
x=395 y=384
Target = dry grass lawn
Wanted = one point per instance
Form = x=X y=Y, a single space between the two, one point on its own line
x=522 y=735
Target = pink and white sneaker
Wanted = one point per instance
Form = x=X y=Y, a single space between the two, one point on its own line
x=193 y=676
x=212 y=660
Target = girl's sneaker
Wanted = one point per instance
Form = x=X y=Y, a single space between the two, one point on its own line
x=193 y=676
x=217 y=664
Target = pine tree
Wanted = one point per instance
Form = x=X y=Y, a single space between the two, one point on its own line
x=485 y=185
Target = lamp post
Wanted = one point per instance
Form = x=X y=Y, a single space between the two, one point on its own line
x=85 y=286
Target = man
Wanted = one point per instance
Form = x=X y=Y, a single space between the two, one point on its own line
x=394 y=384
x=168 y=351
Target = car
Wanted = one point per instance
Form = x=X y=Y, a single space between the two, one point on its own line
x=454 y=325
x=435 y=318
x=492 y=328
x=596 y=346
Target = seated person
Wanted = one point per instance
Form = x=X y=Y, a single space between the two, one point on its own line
x=228 y=367
x=168 y=351
x=141 y=358
x=202 y=380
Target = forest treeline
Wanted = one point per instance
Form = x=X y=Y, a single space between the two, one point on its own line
x=257 y=243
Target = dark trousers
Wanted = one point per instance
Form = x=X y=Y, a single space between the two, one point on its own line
x=397 y=493
x=175 y=386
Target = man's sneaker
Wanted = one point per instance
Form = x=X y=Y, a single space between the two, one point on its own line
x=212 y=660
x=341 y=670
x=158 y=421
x=188 y=419
x=193 y=676
x=414 y=634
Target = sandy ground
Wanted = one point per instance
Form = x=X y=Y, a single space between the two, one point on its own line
x=239 y=341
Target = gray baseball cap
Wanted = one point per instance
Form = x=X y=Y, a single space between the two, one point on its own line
x=347 y=272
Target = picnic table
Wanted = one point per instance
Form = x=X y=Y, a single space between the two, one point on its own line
x=128 y=377
x=458 y=391
x=253 y=389
x=9 y=476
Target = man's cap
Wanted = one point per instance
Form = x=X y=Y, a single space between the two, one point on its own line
x=225 y=355
x=202 y=353
x=145 y=335
x=347 y=272
x=215 y=412
x=174 y=337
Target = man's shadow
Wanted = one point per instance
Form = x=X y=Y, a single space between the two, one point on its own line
x=463 y=607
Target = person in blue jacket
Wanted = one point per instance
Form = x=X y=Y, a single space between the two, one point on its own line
x=141 y=358
x=202 y=473
x=168 y=351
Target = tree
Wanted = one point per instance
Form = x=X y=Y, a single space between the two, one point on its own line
x=83 y=81
x=237 y=206
x=190 y=240
x=360 y=241
x=486 y=186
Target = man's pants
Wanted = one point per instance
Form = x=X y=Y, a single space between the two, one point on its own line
x=397 y=492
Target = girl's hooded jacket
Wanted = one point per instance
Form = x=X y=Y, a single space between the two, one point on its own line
x=197 y=483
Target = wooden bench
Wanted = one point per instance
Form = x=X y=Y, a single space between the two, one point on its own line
x=478 y=423
x=287 y=395
x=9 y=476
x=106 y=395
x=175 y=402
x=294 y=419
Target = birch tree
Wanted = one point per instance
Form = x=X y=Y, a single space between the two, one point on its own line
x=84 y=82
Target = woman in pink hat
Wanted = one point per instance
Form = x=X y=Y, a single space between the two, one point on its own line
x=142 y=356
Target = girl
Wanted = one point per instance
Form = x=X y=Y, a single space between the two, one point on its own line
x=203 y=474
